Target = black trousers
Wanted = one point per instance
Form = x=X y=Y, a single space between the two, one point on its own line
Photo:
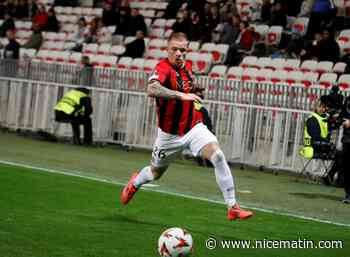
x=76 y=121
x=345 y=167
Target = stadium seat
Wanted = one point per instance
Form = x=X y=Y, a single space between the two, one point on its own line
x=291 y=65
x=156 y=33
x=294 y=77
x=327 y=80
x=300 y=25
x=219 y=53
x=309 y=78
x=274 y=35
x=308 y=65
x=129 y=39
x=249 y=74
x=107 y=60
x=218 y=71
x=263 y=62
x=203 y=63
x=249 y=61
x=193 y=46
x=192 y=57
x=167 y=33
x=235 y=72
x=137 y=64
x=276 y=64
x=339 y=67
x=63 y=56
x=324 y=66
x=117 y=50
x=27 y=53
x=104 y=49
x=263 y=75
x=90 y=48
x=169 y=23
x=344 y=81
x=207 y=47
x=75 y=58
x=159 y=23
x=261 y=32
x=279 y=76
x=124 y=62
x=149 y=65
x=156 y=54
x=157 y=43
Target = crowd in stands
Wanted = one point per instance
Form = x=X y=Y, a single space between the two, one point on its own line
x=303 y=30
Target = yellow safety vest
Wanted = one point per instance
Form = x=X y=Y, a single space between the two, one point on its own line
x=308 y=151
x=70 y=101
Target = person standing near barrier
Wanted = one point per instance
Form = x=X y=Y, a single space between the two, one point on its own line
x=316 y=133
x=346 y=150
x=180 y=127
x=75 y=108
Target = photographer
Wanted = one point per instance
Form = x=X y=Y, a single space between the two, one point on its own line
x=346 y=149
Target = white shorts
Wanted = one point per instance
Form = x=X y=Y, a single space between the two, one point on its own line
x=167 y=146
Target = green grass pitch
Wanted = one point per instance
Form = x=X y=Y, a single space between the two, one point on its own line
x=52 y=215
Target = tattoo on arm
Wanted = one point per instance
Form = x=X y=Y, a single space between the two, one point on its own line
x=155 y=89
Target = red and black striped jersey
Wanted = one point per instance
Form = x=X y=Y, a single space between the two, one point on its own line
x=175 y=117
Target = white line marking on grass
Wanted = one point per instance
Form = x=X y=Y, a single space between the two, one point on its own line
x=78 y=174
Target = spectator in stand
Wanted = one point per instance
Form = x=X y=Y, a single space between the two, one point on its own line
x=79 y=35
x=227 y=10
x=196 y=28
x=53 y=24
x=3 y=8
x=103 y=33
x=8 y=24
x=266 y=11
x=22 y=9
x=11 y=50
x=136 y=48
x=293 y=7
x=328 y=49
x=230 y=30
x=41 y=17
x=122 y=19
x=243 y=43
x=96 y=33
x=214 y=17
x=309 y=49
x=278 y=16
x=182 y=24
x=173 y=8
x=109 y=16
x=34 y=8
x=322 y=15
x=36 y=39
x=136 y=22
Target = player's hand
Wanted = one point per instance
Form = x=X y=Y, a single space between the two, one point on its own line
x=191 y=97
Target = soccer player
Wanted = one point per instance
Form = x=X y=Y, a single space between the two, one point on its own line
x=180 y=126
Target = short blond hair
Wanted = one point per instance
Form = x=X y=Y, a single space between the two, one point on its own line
x=177 y=36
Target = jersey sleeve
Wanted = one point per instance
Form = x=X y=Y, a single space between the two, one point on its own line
x=160 y=73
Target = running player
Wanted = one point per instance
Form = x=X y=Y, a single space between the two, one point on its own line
x=180 y=127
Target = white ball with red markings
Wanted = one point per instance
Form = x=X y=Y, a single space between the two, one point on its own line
x=175 y=242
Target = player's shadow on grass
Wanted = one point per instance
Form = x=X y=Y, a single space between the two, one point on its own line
x=317 y=196
x=124 y=219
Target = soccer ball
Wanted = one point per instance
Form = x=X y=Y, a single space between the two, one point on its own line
x=175 y=242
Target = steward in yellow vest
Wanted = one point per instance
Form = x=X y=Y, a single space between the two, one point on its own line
x=75 y=107
x=316 y=133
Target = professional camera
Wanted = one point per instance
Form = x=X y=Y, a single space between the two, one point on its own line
x=334 y=101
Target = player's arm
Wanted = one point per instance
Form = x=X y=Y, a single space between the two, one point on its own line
x=155 y=89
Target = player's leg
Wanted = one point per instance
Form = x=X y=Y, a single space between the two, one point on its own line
x=165 y=149
x=204 y=143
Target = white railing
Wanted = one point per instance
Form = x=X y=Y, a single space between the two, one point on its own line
x=249 y=134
